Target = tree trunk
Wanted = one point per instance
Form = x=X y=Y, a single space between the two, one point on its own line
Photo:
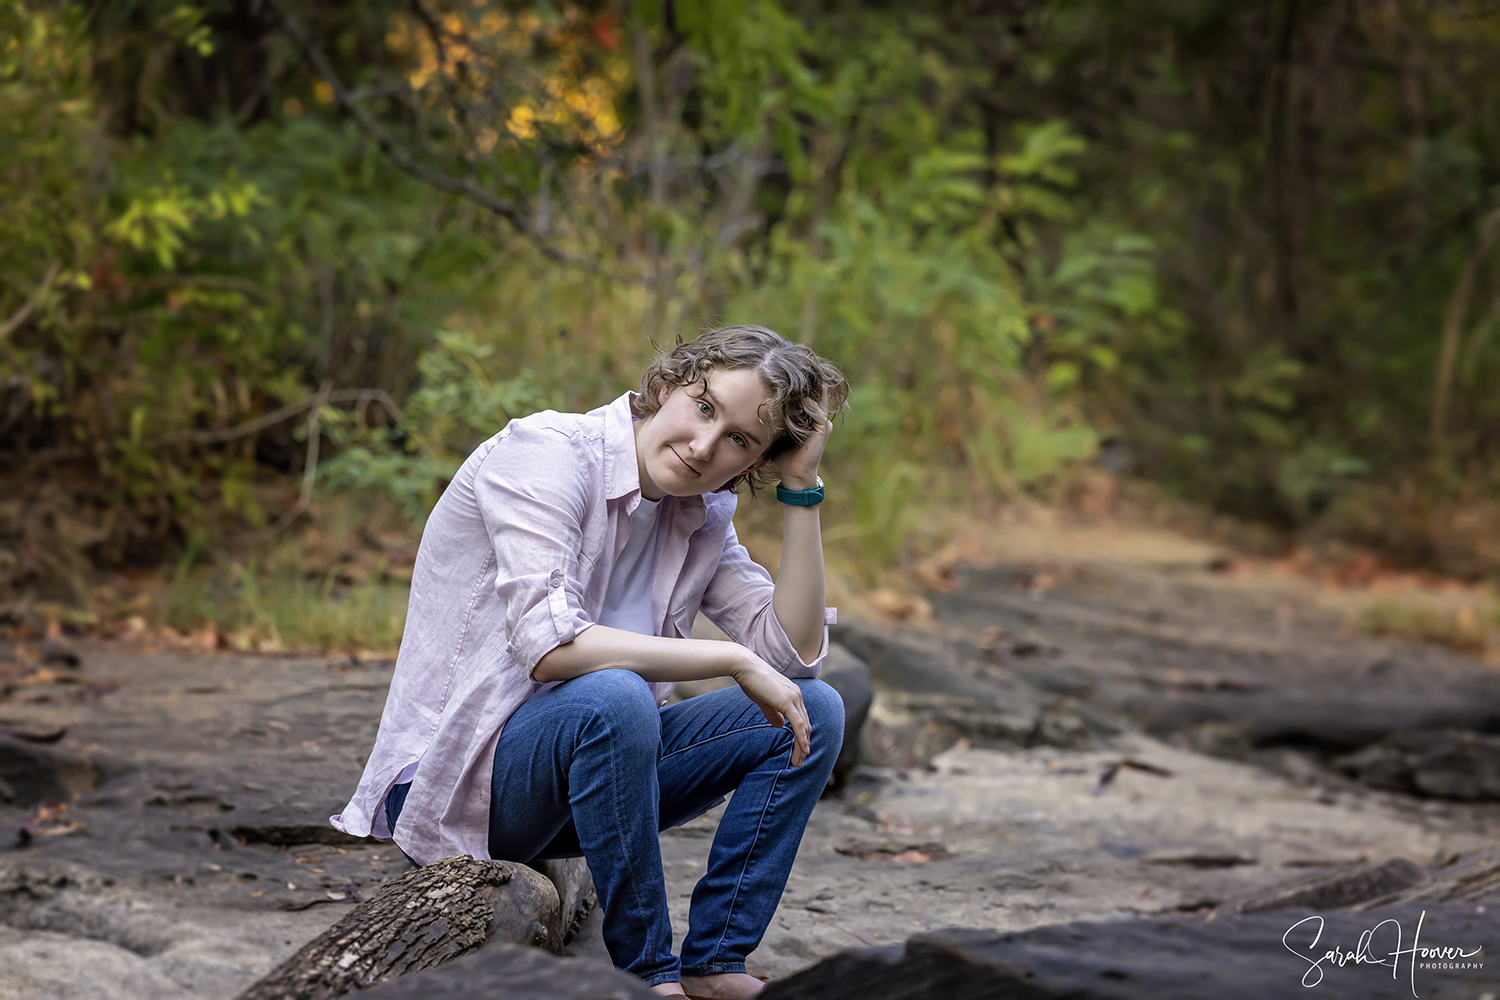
x=1453 y=321
x=426 y=917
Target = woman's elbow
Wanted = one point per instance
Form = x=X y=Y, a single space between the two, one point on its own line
x=809 y=646
x=552 y=666
x=587 y=650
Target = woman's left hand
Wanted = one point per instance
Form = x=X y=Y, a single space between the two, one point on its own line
x=799 y=467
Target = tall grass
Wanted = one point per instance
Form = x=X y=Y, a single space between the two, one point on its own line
x=287 y=612
x=1466 y=628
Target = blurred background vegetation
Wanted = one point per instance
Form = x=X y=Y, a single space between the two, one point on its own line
x=269 y=271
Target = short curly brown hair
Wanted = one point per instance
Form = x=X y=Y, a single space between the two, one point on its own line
x=793 y=374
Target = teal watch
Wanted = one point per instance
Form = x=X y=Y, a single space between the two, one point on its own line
x=801 y=498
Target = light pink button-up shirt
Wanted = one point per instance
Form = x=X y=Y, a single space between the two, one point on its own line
x=514 y=561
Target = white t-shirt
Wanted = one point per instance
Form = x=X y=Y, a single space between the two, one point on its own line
x=627 y=601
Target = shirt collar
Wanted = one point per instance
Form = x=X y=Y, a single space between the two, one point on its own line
x=622 y=476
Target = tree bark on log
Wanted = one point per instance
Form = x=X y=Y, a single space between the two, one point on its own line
x=426 y=917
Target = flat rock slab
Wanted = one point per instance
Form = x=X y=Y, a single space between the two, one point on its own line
x=1445 y=763
x=212 y=777
x=203 y=785
x=1198 y=658
x=1014 y=839
x=1240 y=957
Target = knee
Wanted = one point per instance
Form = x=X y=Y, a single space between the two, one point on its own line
x=624 y=708
x=825 y=709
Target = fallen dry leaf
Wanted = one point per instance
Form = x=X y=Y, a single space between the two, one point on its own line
x=993 y=636
x=935 y=573
x=206 y=639
x=909 y=851
x=32 y=733
x=896 y=606
x=47 y=819
x=1112 y=769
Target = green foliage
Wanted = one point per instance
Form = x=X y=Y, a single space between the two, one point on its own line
x=458 y=405
x=1315 y=179
x=46 y=128
x=1016 y=229
x=905 y=272
x=162 y=219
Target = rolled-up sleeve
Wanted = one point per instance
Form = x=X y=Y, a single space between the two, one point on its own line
x=739 y=598
x=532 y=491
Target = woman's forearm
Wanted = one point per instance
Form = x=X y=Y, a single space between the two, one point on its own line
x=799 y=596
x=654 y=657
x=798 y=602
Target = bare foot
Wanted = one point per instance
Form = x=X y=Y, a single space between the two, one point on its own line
x=728 y=985
x=668 y=989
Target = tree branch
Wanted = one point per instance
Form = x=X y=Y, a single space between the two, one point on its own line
x=362 y=396
x=507 y=210
x=22 y=314
x=434 y=30
x=310 y=466
x=228 y=283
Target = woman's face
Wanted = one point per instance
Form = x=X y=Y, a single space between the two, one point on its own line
x=703 y=435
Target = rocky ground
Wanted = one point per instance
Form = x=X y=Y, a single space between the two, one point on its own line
x=1068 y=739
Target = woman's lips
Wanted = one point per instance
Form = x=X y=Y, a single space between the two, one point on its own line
x=684 y=464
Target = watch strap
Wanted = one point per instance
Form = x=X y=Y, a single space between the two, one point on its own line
x=801 y=498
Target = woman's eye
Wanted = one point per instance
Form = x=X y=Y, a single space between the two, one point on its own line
x=739 y=441
x=704 y=409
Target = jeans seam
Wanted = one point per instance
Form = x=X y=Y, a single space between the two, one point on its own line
x=750 y=854
x=715 y=969
x=598 y=724
x=662 y=977
x=719 y=736
x=635 y=871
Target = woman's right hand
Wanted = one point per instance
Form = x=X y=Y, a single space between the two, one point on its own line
x=778 y=698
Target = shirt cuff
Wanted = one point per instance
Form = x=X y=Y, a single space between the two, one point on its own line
x=549 y=623
x=793 y=664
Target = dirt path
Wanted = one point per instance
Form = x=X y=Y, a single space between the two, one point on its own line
x=202 y=782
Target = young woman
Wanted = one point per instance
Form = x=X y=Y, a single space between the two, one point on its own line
x=551 y=611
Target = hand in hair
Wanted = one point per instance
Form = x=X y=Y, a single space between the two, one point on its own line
x=799 y=467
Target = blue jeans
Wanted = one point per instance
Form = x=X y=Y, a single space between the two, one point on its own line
x=592 y=767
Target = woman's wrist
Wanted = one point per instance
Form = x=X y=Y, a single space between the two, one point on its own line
x=742 y=662
x=800 y=482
